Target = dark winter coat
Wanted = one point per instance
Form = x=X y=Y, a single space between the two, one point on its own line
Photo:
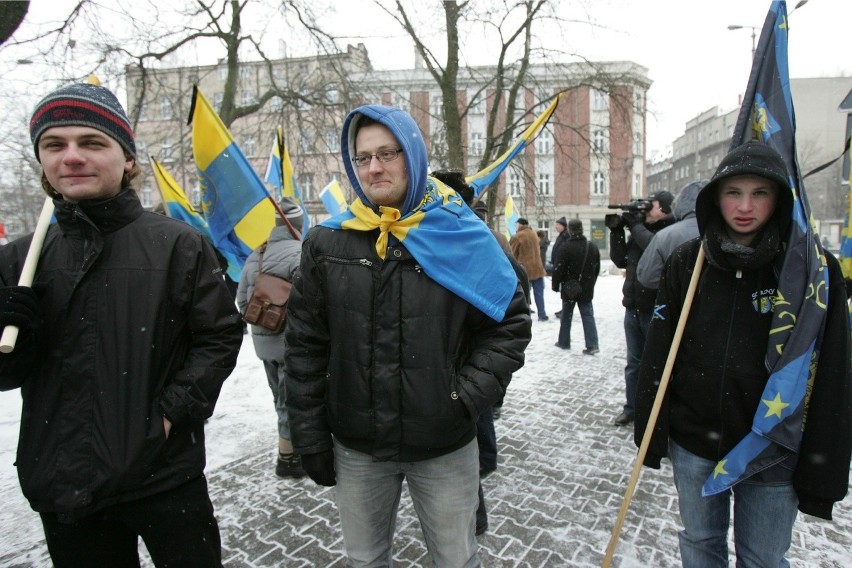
x=384 y=358
x=720 y=373
x=625 y=253
x=137 y=324
x=567 y=265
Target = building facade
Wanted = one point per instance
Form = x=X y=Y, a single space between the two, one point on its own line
x=820 y=138
x=591 y=153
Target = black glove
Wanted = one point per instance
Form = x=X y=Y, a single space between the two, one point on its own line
x=632 y=219
x=320 y=467
x=19 y=306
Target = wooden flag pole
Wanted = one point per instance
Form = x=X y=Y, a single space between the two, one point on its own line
x=10 y=332
x=655 y=409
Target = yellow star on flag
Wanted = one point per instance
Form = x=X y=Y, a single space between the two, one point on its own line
x=720 y=469
x=775 y=406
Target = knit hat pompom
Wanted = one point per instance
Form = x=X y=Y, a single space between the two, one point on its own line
x=83 y=104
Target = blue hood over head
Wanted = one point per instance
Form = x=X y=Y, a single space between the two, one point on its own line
x=410 y=139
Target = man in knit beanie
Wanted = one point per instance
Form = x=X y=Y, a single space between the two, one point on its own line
x=121 y=353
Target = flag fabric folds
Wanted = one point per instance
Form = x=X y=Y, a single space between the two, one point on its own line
x=846 y=238
x=488 y=176
x=280 y=175
x=333 y=199
x=273 y=175
x=234 y=200
x=177 y=206
x=802 y=294
x=440 y=234
x=511 y=216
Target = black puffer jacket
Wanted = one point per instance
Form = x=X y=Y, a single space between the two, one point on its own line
x=137 y=324
x=568 y=265
x=385 y=359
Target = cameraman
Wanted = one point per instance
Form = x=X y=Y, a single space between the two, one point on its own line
x=643 y=218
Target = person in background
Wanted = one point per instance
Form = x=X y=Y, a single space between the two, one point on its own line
x=665 y=241
x=397 y=340
x=543 y=243
x=525 y=248
x=561 y=236
x=580 y=259
x=126 y=338
x=637 y=300
x=716 y=394
x=281 y=255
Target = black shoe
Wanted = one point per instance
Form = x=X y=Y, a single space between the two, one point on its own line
x=289 y=466
x=591 y=351
x=481 y=528
x=558 y=314
x=562 y=346
x=623 y=419
x=545 y=318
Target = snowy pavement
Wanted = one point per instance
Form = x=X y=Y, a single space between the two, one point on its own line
x=563 y=469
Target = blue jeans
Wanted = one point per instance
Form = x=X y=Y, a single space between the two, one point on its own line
x=636 y=325
x=444 y=491
x=763 y=517
x=587 y=315
x=538 y=294
x=275 y=376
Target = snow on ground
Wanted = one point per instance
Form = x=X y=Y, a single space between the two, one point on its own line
x=245 y=419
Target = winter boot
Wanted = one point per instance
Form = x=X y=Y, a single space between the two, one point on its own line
x=289 y=465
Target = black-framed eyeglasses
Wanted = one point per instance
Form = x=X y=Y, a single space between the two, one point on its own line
x=382 y=156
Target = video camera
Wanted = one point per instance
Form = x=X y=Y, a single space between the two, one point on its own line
x=640 y=206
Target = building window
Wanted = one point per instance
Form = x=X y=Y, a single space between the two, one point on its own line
x=637 y=144
x=332 y=96
x=306 y=186
x=638 y=102
x=544 y=142
x=142 y=151
x=143 y=111
x=637 y=184
x=145 y=195
x=332 y=138
x=223 y=73
x=304 y=143
x=217 y=100
x=165 y=108
x=249 y=147
x=436 y=106
x=167 y=148
x=516 y=188
x=245 y=72
x=600 y=184
x=599 y=141
x=477 y=106
x=599 y=100
x=544 y=186
x=248 y=97
x=477 y=144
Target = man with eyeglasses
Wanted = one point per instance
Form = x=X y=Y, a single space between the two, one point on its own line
x=406 y=321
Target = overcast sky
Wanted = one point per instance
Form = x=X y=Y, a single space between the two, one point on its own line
x=693 y=59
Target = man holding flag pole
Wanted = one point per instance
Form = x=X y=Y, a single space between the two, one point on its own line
x=126 y=338
x=760 y=402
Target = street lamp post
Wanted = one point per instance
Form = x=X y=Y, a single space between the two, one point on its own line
x=753 y=35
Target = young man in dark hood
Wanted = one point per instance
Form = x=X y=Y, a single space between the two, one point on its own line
x=715 y=404
x=397 y=339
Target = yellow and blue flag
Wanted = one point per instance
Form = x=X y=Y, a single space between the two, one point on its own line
x=440 y=233
x=280 y=175
x=177 y=206
x=511 y=216
x=333 y=199
x=802 y=296
x=488 y=176
x=845 y=256
x=233 y=198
